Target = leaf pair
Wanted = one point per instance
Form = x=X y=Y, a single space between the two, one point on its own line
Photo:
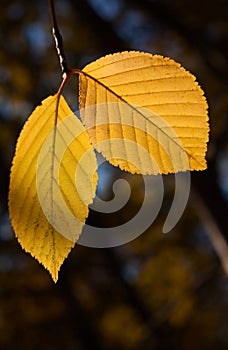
x=145 y=113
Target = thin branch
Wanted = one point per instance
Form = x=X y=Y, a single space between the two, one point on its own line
x=66 y=72
x=217 y=240
x=58 y=41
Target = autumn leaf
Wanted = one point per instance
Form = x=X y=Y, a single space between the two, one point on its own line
x=145 y=113
x=53 y=180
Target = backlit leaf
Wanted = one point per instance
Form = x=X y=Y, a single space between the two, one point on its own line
x=53 y=180
x=145 y=113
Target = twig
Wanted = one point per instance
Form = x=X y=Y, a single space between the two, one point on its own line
x=58 y=42
x=217 y=240
x=66 y=72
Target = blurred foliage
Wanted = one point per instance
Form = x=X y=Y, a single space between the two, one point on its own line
x=159 y=291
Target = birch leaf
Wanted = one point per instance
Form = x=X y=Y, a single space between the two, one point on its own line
x=145 y=113
x=53 y=179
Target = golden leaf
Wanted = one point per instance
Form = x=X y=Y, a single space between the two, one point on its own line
x=53 y=180
x=145 y=113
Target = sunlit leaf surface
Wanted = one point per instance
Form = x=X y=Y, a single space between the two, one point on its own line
x=145 y=113
x=53 y=179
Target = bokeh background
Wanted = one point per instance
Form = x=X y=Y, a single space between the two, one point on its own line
x=160 y=291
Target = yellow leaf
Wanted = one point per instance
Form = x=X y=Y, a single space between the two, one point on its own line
x=145 y=113
x=53 y=179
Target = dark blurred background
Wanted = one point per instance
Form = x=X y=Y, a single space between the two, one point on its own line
x=160 y=291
